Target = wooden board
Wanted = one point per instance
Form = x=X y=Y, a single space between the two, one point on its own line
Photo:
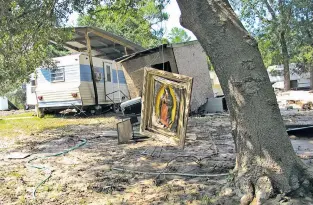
x=125 y=131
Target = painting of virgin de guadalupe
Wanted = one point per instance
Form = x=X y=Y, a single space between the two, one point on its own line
x=164 y=117
x=165 y=107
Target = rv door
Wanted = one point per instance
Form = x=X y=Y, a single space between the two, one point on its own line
x=108 y=81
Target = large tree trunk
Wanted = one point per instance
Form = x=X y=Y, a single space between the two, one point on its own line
x=263 y=148
x=285 y=55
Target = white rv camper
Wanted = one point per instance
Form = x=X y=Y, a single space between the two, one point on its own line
x=31 y=99
x=297 y=79
x=4 y=105
x=70 y=84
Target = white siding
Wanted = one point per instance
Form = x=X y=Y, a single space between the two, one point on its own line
x=86 y=86
x=87 y=93
x=59 y=93
x=192 y=61
x=77 y=79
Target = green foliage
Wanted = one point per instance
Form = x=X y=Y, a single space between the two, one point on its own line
x=210 y=64
x=137 y=21
x=27 y=28
x=268 y=20
x=270 y=50
x=304 y=58
x=25 y=31
x=27 y=124
x=17 y=97
x=56 y=51
x=178 y=35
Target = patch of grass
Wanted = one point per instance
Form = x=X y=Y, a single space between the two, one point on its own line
x=26 y=114
x=21 y=200
x=15 y=174
x=30 y=126
x=83 y=201
x=46 y=188
x=206 y=200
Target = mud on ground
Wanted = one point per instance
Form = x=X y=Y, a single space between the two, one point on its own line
x=87 y=176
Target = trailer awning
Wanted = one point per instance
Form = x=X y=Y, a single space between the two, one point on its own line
x=103 y=44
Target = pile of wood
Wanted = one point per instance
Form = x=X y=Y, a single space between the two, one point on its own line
x=302 y=104
x=301 y=100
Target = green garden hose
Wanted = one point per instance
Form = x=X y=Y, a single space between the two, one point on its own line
x=84 y=141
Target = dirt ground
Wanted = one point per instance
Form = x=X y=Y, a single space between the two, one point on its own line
x=88 y=174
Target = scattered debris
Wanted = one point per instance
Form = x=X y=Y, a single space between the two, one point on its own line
x=301 y=100
x=125 y=131
x=18 y=155
x=157 y=151
x=170 y=173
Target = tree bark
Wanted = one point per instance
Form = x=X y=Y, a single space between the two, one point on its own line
x=285 y=55
x=263 y=148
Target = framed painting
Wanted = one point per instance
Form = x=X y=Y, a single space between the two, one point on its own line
x=165 y=105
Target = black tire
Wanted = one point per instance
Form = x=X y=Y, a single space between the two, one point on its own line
x=116 y=108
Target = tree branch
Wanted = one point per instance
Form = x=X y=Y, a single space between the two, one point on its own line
x=271 y=10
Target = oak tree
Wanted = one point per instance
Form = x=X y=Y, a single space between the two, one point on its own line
x=265 y=160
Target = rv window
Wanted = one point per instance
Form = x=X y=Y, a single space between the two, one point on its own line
x=57 y=75
x=108 y=72
x=33 y=82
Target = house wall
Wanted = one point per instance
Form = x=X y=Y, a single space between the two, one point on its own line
x=191 y=60
x=133 y=69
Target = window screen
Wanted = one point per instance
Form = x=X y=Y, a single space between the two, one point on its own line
x=57 y=75
x=108 y=72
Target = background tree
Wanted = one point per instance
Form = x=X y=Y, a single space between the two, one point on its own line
x=141 y=22
x=25 y=30
x=273 y=19
x=303 y=37
x=282 y=29
x=304 y=60
x=303 y=21
x=269 y=49
x=178 y=35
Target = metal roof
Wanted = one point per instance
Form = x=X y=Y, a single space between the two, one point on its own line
x=141 y=53
x=153 y=50
x=103 y=44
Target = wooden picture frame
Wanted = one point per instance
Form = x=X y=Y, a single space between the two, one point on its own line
x=165 y=105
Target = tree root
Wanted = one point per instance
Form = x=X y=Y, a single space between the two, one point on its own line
x=264 y=188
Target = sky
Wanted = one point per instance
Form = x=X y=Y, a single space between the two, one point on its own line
x=174 y=13
x=172 y=9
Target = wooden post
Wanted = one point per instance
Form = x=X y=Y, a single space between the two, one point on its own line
x=91 y=67
x=125 y=48
x=104 y=80
x=118 y=81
